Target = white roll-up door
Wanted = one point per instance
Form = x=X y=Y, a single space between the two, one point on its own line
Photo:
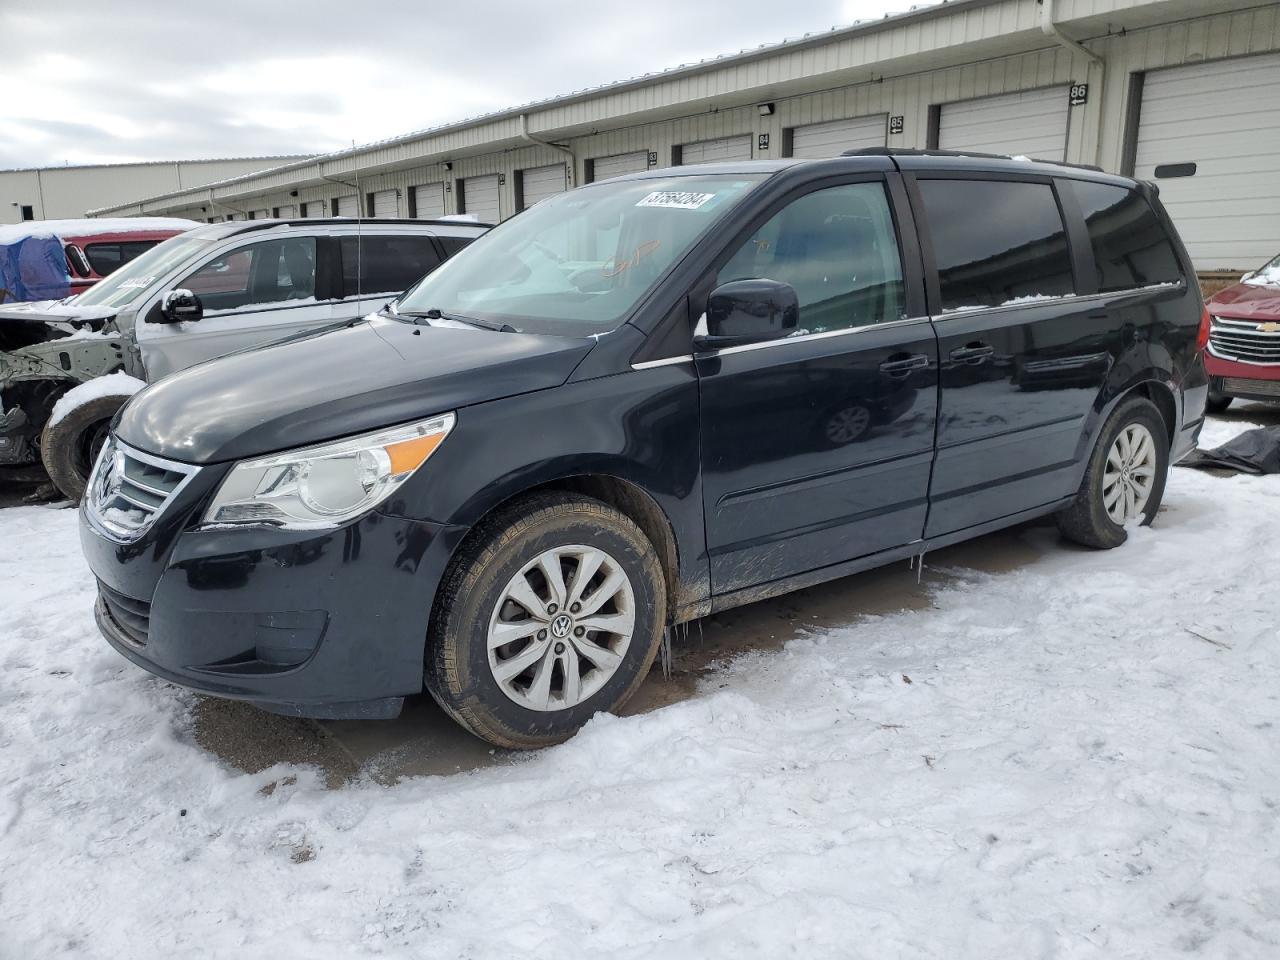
x=480 y=198
x=538 y=183
x=263 y=214
x=386 y=204
x=1029 y=123
x=287 y=212
x=709 y=151
x=428 y=201
x=816 y=140
x=618 y=164
x=1223 y=117
x=348 y=206
x=315 y=208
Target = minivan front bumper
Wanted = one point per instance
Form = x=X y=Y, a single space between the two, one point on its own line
x=309 y=623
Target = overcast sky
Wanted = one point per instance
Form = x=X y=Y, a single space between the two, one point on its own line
x=94 y=82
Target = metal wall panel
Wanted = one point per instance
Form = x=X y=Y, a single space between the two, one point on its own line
x=538 y=183
x=832 y=138
x=1224 y=117
x=1030 y=123
x=481 y=198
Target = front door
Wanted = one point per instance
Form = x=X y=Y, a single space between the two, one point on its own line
x=817 y=448
x=251 y=294
x=1023 y=358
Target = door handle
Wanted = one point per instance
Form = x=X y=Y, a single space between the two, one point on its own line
x=972 y=353
x=904 y=365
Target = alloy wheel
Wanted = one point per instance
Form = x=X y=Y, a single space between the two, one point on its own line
x=1129 y=476
x=561 y=627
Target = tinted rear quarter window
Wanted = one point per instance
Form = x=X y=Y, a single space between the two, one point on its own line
x=452 y=245
x=105 y=257
x=996 y=242
x=1130 y=246
x=389 y=264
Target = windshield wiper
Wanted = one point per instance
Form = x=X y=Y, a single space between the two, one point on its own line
x=436 y=314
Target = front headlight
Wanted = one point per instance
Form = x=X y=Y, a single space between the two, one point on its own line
x=326 y=485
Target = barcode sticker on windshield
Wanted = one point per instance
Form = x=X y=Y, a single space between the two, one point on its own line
x=679 y=199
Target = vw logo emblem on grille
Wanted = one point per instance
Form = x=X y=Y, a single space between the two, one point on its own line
x=561 y=626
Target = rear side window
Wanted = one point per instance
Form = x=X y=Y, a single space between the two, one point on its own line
x=1130 y=247
x=388 y=264
x=257 y=275
x=996 y=242
x=105 y=257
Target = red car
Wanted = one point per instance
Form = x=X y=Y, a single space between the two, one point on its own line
x=94 y=248
x=1243 y=359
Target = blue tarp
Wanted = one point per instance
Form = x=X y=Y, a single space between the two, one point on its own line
x=34 y=268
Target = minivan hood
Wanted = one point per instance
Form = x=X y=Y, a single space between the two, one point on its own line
x=372 y=374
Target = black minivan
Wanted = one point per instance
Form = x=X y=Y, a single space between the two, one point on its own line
x=638 y=403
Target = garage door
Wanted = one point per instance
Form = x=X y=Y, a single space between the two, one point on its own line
x=1030 y=123
x=315 y=208
x=287 y=212
x=385 y=204
x=480 y=198
x=348 y=207
x=1223 y=117
x=428 y=201
x=816 y=140
x=538 y=183
x=260 y=214
x=709 y=151
x=605 y=167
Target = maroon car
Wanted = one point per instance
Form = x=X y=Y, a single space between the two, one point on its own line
x=1243 y=359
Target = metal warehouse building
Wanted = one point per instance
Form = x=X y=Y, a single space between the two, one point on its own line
x=1183 y=92
x=53 y=193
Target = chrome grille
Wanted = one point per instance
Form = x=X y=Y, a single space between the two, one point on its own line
x=129 y=489
x=1245 y=341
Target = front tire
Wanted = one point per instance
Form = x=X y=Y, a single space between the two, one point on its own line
x=1216 y=403
x=1125 y=479
x=69 y=447
x=552 y=612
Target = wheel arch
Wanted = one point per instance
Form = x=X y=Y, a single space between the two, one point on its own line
x=625 y=496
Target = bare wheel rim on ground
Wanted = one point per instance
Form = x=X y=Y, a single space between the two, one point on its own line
x=561 y=628
x=1130 y=474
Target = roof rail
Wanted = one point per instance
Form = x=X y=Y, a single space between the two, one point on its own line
x=914 y=152
x=246 y=225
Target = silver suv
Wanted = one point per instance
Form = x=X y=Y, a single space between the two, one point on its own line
x=67 y=366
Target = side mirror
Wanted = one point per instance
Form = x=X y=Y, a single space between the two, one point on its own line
x=748 y=311
x=179 y=305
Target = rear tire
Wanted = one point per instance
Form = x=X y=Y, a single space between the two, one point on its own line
x=523 y=658
x=1216 y=403
x=69 y=447
x=1125 y=477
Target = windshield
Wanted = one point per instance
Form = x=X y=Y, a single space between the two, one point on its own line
x=1266 y=275
x=577 y=263
x=136 y=277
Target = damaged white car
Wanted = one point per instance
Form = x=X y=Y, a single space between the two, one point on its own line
x=67 y=366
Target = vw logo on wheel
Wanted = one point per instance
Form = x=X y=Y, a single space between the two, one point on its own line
x=561 y=626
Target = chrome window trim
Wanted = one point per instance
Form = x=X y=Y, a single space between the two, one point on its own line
x=1060 y=299
x=809 y=337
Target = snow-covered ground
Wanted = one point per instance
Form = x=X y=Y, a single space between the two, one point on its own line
x=1075 y=759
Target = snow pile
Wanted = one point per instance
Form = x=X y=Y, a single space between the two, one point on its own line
x=1074 y=759
x=112 y=385
x=88 y=227
x=1267 y=276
